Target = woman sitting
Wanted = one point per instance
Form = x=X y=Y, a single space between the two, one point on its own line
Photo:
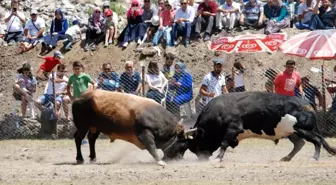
x=95 y=31
x=133 y=20
x=59 y=26
x=156 y=82
x=180 y=89
x=277 y=17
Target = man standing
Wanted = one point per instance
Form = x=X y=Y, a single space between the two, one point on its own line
x=206 y=14
x=286 y=81
x=14 y=20
x=213 y=83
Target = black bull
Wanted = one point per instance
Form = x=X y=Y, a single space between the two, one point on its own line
x=229 y=118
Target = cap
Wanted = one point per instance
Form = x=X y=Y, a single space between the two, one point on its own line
x=218 y=61
x=108 y=12
x=33 y=11
x=155 y=20
x=58 y=54
x=24 y=66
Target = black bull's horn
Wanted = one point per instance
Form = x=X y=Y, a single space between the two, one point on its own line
x=188 y=133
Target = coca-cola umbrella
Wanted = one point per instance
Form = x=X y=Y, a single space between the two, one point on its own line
x=319 y=44
x=249 y=43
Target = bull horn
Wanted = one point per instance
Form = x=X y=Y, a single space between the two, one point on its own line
x=190 y=131
x=181 y=121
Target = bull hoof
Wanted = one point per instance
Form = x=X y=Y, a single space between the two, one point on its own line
x=217 y=160
x=161 y=163
x=80 y=161
x=285 y=159
x=93 y=160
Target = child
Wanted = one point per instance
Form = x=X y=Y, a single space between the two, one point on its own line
x=49 y=64
x=110 y=27
x=71 y=34
x=79 y=80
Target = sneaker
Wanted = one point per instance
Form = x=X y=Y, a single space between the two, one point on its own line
x=110 y=42
x=125 y=44
x=139 y=41
x=175 y=43
x=206 y=37
x=105 y=46
x=86 y=48
x=187 y=42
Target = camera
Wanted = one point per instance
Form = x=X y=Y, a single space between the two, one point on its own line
x=14 y=9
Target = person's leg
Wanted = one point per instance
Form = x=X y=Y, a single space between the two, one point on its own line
x=233 y=20
x=111 y=35
x=157 y=37
x=210 y=22
x=66 y=103
x=187 y=32
x=198 y=26
x=219 y=20
x=167 y=33
x=23 y=106
x=107 y=36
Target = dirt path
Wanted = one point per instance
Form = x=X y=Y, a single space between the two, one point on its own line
x=253 y=162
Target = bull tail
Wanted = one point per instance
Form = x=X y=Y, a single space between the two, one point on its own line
x=331 y=150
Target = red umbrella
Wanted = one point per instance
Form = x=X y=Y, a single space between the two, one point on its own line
x=249 y=43
x=320 y=44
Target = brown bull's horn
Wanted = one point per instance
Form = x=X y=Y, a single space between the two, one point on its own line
x=190 y=131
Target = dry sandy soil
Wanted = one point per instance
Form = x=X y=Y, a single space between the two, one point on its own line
x=253 y=162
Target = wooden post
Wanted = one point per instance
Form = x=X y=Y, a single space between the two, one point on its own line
x=54 y=94
x=143 y=80
x=323 y=89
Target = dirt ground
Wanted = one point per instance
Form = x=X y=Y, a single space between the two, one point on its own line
x=253 y=161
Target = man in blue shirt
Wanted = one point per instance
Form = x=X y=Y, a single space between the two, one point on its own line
x=130 y=80
x=108 y=79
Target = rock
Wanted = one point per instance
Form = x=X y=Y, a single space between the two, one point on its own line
x=149 y=51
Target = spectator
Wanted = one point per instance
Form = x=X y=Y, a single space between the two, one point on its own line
x=206 y=13
x=238 y=76
x=305 y=13
x=230 y=84
x=95 y=32
x=180 y=89
x=59 y=25
x=156 y=82
x=310 y=92
x=33 y=32
x=276 y=17
x=109 y=27
x=182 y=22
x=2 y=34
x=72 y=34
x=323 y=17
x=213 y=83
x=292 y=7
x=134 y=18
x=108 y=80
x=165 y=28
x=106 y=5
x=252 y=14
x=227 y=15
x=25 y=87
x=49 y=64
x=147 y=27
x=14 y=20
x=60 y=89
x=168 y=68
x=286 y=81
x=130 y=80
x=270 y=74
x=193 y=4
x=79 y=81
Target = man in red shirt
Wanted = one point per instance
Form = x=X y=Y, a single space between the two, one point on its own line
x=286 y=82
x=49 y=64
x=206 y=14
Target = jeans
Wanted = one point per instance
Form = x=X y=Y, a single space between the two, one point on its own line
x=166 y=31
x=302 y=26
x=317 y=23
x=132 y=32
x=52 y=39
x=206 y=20
x=155 y=95
x=184 y=27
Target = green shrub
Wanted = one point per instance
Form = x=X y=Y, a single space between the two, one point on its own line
x=117 y=8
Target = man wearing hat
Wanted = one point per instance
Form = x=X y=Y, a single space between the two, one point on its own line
x=213 y=83
x=33 y=32
x=49 y=64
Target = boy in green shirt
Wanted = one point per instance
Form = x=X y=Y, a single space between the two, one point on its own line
x=79 y=80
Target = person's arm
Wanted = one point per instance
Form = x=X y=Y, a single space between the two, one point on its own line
x=138 y=89
x=261 y=16
x=203 y=89
x=65 y=26
x=26 y=33
x=276 y=82
x=41 y=57
x=8 y=17
x=319 y=97
x=91 y=81
x=164 y=80
x=68 y=87
x=40 y=33
x=316 y=8
x=283 y=14
x=224 y=89
x=21 y=16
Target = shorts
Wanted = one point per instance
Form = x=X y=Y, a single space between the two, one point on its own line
x=46 y=98
x=34 y=42
x=44 y=68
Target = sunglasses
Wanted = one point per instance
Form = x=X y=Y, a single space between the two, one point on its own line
x=135 y=5
x=33 y=14
x=107 y=69
x=184 y=3
x=97 y=11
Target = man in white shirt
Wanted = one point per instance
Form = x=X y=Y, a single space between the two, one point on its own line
x=33 y=32
x=305 y=13
x=61 y=82
x=182 y=22
x=14 y=20
x=213 y=83
x=227 y=15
